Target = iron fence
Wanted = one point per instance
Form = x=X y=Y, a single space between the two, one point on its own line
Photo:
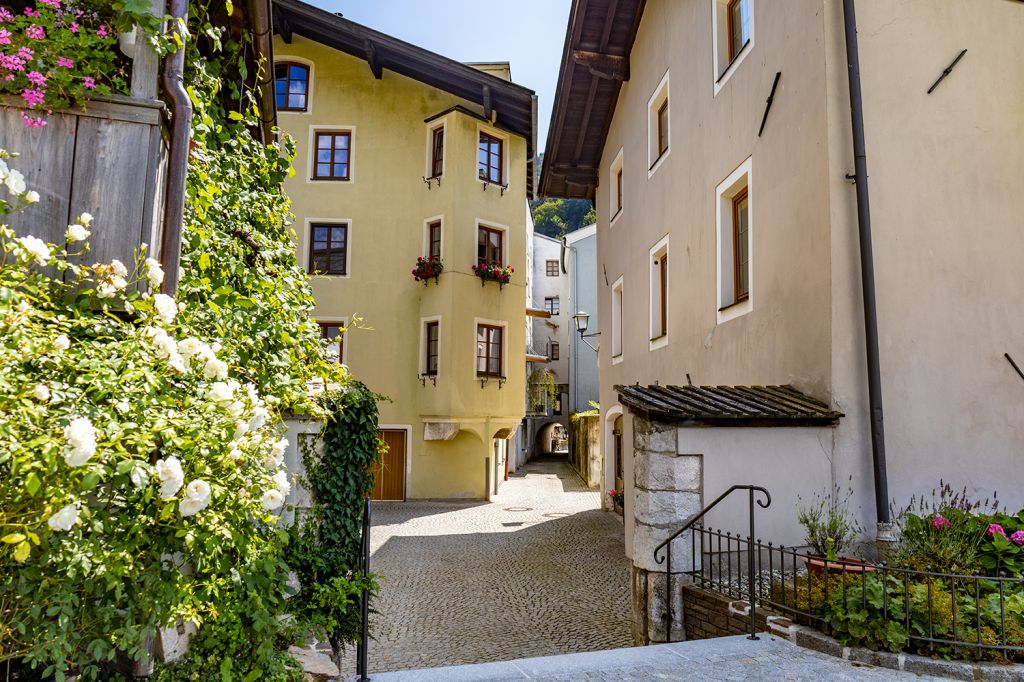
x=950 y=614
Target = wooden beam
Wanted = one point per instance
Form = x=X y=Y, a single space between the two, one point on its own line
x=281 y=26
x=488 y=109
x=372 y=59
x=607 y=66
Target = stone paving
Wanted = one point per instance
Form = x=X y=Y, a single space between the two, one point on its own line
x=537 y=572
x=725 y=658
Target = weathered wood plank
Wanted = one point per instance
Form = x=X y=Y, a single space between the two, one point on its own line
x=45 y=159
x=111 y=181
x=114 y=107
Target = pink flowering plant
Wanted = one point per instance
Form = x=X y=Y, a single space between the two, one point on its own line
x=494 y=271
x=60 y=53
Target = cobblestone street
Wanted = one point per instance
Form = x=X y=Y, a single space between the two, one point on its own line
x=539 y=571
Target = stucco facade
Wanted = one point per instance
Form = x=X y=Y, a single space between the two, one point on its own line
x=581 y=257
x=456 y=423
x=946 y=225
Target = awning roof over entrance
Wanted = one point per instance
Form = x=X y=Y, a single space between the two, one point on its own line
x=727 y=405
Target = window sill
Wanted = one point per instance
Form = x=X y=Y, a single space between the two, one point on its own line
x=486 y=183
x=657 y=163
x=335 y=275
x=733 y=305
x=733 y=65
x=315 y=179
x=615 y=218
x=734 y=310
x=658 y=342
x=616 y=359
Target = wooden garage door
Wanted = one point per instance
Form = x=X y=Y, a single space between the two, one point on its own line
x=389 y=475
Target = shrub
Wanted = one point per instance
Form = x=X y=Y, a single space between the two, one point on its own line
x=829 y=524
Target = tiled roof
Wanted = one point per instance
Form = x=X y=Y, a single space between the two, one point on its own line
x=727 y=405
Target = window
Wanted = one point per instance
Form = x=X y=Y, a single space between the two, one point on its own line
x=334 y=332
x=489 y=352
x=735 y=244
x=740 y=240
x=659 y=290
x=432 y=341
x=556 y=409
x=333 y=151
x=615 y=195
x=328 y=249
x=658 y=127
x=434 y=240
x=490 y=158
x=739 y=26
x=617 y=319
x=554 y=350
x=489 y=245
x=551 y=268
x=551 y=304
x=291 y=86
x=734 y=34
x=437 y=152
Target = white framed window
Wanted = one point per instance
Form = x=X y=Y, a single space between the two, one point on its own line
x=491 y=242
x=617 y=321
x=327 y=244
x=334 y=330
x=551 y=305
x=437 y=146
x=615 y=189
x=491 y=345
x=331 y=154
x=735 y=243
x=658 y=128
x=732 y=36
x=293 y=84
x=659 y=282
x=433 y=237
x=430 y=346
x=492 y=152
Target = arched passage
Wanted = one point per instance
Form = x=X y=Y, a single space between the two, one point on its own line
x=552 y=439
x=613 y=450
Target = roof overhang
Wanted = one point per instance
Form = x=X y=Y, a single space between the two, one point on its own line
x=537 y=312
x=595 y=63
x=506 y=104
x=746 y=406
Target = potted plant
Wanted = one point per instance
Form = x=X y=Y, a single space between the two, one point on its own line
x=618 y=498
x=830 y=529
x=495 y=272
x=427 y=268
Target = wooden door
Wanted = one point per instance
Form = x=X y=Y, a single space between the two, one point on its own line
x=389 y=474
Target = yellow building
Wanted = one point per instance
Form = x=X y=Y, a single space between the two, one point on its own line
x=402 y=154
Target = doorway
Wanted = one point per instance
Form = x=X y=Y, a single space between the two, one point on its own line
x=389 y=473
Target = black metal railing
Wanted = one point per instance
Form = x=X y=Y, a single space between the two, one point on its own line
x=666 y=546
x=364 y=601
x=936 y=613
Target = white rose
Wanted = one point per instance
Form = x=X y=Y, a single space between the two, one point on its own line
x=41 y=392
x=31 y=196
x=220 y=392
x=235 y=453
x=85 y=219
x=61 y=343
x=177 y=363
x=15 y=182
x=35 y=248
x=165 y=307
x=279 y=448
x=80 y=435
x=77 y=233
x=118 y=267
x=272 y=499
x=236 y=408
x=121 y=406
x=4 y=169
x=191 y=347
x=215 y=369
x=197 y=497
x=154 y=273
x=259 y=418
x=171 y=477
x=105 y=290
x=65 y=519
x=281 y=482
x=241 y=428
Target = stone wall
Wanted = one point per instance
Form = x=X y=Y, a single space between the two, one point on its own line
x=709 y=614
x=585 y=453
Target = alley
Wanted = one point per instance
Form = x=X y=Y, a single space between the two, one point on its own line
x=539 y=571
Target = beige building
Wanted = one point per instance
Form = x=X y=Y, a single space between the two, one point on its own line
x=716 y=140
x=405 y=154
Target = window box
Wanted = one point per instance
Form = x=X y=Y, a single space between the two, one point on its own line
x=494 y=272
x=427 y=269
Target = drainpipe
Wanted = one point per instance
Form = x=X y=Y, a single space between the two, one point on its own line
x=177 y=158
x=867 y=266
x=261 y=34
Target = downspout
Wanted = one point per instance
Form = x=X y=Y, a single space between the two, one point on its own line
x=177 y=158
x=261 y=36
x=867 y=266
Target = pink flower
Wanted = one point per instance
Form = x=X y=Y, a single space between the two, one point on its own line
x=5 y=14
x=5 y=37
x=996 y=528
x=52 y=3
x=65 y=62
x=26 y=53
x=1018 y=538
x=74 y=27
x=32 y=122
x=89 y=82
x=940 y=522
x=36 y=78
x=33 y=98
x=35 y=32
x=29 y=12
x=102 y=31
x=12 y=62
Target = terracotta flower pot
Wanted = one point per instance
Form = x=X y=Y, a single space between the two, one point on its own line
x=817 y=565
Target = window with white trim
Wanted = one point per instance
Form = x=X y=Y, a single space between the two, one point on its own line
x=658 y=138
x=734 y=35
x=334 y=333
x=490 y=350
x=735 y=243
x=551 y=304
x=615 y=193
x=659 y=290
x=617 y=319
x=431 y=346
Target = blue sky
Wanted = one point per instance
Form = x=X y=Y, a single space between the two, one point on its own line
x=527 y=33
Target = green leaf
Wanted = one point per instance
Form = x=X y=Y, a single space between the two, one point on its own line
x=89 y=481
x=32 y=484
x=12 y=538
x=22 y=551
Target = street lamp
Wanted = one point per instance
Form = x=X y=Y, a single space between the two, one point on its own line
x=582 y=320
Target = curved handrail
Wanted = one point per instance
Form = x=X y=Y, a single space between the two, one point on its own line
x=699 y=515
